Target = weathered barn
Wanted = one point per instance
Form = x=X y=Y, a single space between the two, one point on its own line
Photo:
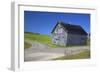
x=67 y=34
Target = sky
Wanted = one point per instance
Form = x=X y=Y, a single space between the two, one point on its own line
x=44 y=22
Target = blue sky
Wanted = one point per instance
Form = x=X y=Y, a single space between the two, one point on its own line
x=44 y=22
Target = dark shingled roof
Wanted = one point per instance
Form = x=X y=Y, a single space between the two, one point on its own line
x=72 y=29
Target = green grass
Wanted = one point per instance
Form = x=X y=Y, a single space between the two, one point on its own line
x=82 y=55
x=27 y=45
x=44 y=39
x=41 y=38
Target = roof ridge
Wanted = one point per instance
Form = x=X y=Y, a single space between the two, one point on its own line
x=75 y=29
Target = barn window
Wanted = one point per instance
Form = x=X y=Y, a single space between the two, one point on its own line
x=63 y=37
x=60 y=30
x=54 y=41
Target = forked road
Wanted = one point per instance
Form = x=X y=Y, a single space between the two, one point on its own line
x=41 y=52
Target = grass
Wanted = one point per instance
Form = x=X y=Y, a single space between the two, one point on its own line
x=82 y=55
x=41 y=38
x=27 y=45
x=44 y=39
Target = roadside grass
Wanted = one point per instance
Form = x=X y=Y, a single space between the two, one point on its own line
x=27 y=45
x=81 y=55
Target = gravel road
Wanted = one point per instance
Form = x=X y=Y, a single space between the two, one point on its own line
x=41 y=52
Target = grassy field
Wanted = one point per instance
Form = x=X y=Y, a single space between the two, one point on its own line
x=82 y=55
x=41 y=38
x=44 y=39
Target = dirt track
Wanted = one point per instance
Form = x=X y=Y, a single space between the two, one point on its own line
x=41 y=52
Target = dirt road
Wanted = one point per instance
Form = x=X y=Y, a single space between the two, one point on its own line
x=41 y=52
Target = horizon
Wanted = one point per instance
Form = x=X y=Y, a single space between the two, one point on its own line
x=44 y=22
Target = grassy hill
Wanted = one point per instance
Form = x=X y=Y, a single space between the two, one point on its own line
x=41 y=38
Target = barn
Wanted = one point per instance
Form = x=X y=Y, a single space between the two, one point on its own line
x=64 y=34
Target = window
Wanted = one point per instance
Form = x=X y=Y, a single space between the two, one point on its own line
x=60 y=30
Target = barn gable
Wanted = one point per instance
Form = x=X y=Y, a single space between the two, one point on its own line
x=65 y=34
x=72 y=29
